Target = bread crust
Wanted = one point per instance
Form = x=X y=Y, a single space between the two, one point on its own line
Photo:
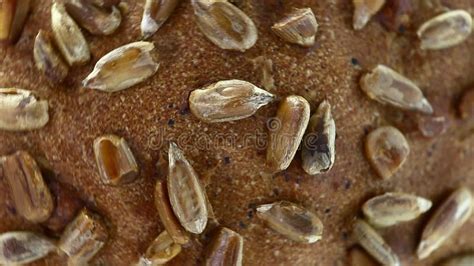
x=155 y=112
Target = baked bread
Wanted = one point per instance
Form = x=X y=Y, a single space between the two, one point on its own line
x=234 y=171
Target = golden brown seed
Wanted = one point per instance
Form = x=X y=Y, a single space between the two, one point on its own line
x=374 y=244
x=23 y=247
x=94 y=19
x=359 y=257
x=13 y=14
x=83 y=238
x=224 y=24
x=386 y=86
x=226 y=248
x=20 y=110
x=227 y=100
x=445 y=30
x=299 y=27
x=447 y=219
x=364 y=10
x=48 y=60
x=187 y=196
x=115 y=160
x=466 y=107
x=459 y=260
x=155 y=14
x=68 y=36
x=123 y=68
x=30 y=194
x=292 y=221
x=161 y=250
x=167 y=217
x=286 y=131
x=392 y=208
x=318 y=149
x=265 y=67
x=387 y=150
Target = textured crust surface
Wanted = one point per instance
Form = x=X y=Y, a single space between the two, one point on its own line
x=153 y=112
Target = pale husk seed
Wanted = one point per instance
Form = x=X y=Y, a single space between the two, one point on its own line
x=23 y=247
x=155 y=14
x=299 y=27
x=226 y=248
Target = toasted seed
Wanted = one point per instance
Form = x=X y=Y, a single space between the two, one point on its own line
x=186 y=193
x=117 y=165
x=286 y=131
x=13 y=14
x=23 y=247
x=68 y=36
x=374 y=244
x=299 y=27
x=359 y=257
x=228 y=100
x=225 y=25
x=318 y=151
x=20 y=110
x=48 y=60
x=83 y=238
x=392 y=208
x=161 y=250
x=123 y=68
x=386 y=149
x=292 y=221
x=364 y=10
x=155 y=14
x=386 y=86
x=226 y=248
x=265 y=67
x=445 y=30
x=167 y=217
x=459 y=260
x=447 y=219
x=30 y=194
x=466 y=107
x=96 y=20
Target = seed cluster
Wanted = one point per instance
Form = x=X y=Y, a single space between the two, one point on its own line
x=180 y=196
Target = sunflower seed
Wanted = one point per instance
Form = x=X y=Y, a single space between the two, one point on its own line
x=161 y=250
x=374 y=244
x=318 y=151
x=155 y=14
x=94 y=19
x=364 y=10
x=48 y=60
x=227 y=100
x=286 y=131
x=68 y=36
x=83 y=238
x=459 y=260
x=167 y=217
x=392 y=208
x=30 y=194
x=23 y=247
x=447 y=219
x=13 y=14
x=386 y=86
x=386 y=149
x=224 y=24
x=115 y=160
x=20 y=110
x=466 y=107
x=265 y=67
x=123 y=68
x=358 y=257
x=187 y=196
x=292 y=221
x=299 y=27
x=445 y=30
x=226 y=248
